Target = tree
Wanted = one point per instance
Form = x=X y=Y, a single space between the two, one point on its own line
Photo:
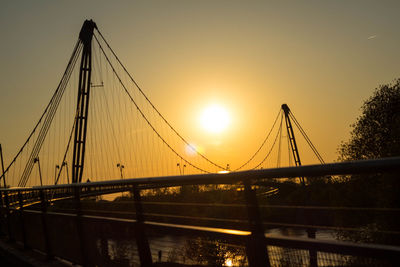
x=376 y=133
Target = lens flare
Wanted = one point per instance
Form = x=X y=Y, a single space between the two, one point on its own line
x=192 y=149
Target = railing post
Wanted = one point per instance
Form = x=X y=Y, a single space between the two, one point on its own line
x=141 y=238
x=47 y=244
x=6 y=200
x=79 y=225
x=256 y=248
x=2 y=213
x=21 y=216
x=311 y=233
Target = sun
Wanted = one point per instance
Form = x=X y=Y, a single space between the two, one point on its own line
x=215 y=118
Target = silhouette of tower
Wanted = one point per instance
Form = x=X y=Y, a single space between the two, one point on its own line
x=78 y=160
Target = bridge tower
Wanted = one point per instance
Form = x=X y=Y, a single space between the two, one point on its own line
x=78 y=160
x=292 y=139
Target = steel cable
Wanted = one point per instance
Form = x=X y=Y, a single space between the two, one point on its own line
x=152 y=105
x=143 y=115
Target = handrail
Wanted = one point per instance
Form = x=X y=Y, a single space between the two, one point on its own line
x=309 y=171
x=16 y=200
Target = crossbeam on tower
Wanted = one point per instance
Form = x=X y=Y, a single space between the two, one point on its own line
x=78 y=160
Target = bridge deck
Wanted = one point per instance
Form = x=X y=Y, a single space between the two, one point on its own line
x=65 y=221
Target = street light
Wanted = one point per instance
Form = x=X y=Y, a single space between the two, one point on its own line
x=120 y=167
x=181 y=170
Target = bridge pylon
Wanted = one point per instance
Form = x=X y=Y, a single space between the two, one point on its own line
x=81 y=119
x=292 y=139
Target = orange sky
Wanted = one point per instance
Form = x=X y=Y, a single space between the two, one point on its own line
x=321 y=58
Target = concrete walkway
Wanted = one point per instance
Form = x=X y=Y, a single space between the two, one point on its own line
x=12 y=254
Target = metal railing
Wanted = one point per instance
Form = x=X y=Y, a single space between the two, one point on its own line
x=78 y=234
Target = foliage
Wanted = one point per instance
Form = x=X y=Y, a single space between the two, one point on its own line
x=376 y=133
x=212 y=252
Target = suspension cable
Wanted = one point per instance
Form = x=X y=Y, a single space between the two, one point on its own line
x=273 y=145
x=66 y=151
x=262 y=144
x=42 y=116
x=143 y=115
x=54 y=102
x=314 y=149
x=155 y=109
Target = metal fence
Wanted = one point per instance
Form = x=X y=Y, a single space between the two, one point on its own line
x=73 y=223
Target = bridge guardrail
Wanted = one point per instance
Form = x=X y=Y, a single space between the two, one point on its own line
x=19 y=205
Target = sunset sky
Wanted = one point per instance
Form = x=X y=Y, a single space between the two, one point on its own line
x=322 y=58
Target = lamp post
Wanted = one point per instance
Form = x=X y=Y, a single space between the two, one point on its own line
x=181 y=170
x=120 y=167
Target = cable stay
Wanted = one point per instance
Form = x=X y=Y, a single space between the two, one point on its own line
x=278 y=134
x=125 y=126
x=152 y=105
x=39 y=134
x=261 y=146
x=293 y=151
x=150 y=124
x=317 y=154
x=292 y=140
x=289 y=115
x=47 y=115
x=64 y=162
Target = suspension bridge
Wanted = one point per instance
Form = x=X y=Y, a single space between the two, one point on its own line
x=100 y=134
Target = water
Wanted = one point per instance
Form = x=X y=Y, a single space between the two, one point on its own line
x=290 y=232
x=190 y=251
